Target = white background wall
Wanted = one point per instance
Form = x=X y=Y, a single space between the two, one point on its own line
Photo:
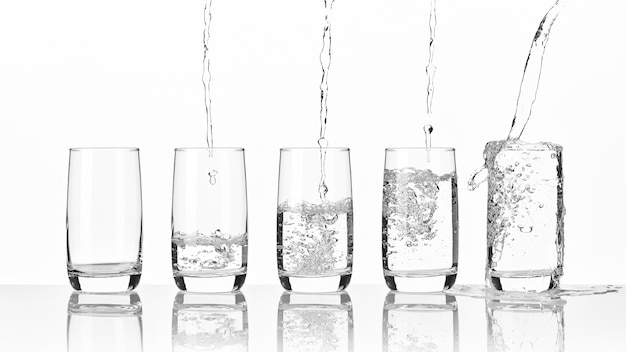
x=127 y=73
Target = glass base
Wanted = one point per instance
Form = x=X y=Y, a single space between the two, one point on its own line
x=114 y=284
x=213 y=284
x=315 y=284
x=523 y=281
x=420 y=283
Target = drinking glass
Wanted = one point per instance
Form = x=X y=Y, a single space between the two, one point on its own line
x=104 y=219
x=525 y=214
x=420 y=219
x=314 y=234
x=209 y=219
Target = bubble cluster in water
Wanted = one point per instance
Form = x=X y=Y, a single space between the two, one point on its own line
x=315 y=239
x=524 y=207
x=216 y=251
x=410 y=204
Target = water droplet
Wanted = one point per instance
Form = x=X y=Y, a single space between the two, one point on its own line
x=322 y=142
x=525 y=229
x=541 y=205
x=212 y=177
x=428 y=129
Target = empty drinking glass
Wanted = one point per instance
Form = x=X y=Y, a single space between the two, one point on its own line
x=420 y=219
x=104 y=219
x=314 y=235
x=209 y=219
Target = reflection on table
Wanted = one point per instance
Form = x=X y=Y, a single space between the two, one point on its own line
x=104 y=322
x=420 y=322
x=525 y=326
x=209 y=322
x=315 y=322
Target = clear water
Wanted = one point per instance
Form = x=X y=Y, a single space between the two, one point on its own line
x=325 y=59
x=209 y=328
x=525 y=326
x=532 y=72
x=420 y=221
x=206 y=73
x=105 y=269
x=216 y=254
x=315 y=240
x=525 y=209
x=431 y=69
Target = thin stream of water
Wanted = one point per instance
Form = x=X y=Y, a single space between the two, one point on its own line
x=206 y=82
x=431 y=69
x=325 y=60
x=532 y=72
x=528 y=86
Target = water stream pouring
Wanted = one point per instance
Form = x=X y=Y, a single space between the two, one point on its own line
x=525 y=209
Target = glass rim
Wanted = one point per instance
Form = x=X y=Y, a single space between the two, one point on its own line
x=85 y=149
x=439 y=149
x=288 y=149
x=184 y=149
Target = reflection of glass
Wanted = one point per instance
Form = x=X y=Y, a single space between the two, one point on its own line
x=209 y=322
x=314 y=234
x=420 y=219
x=420 y=322
x=104 y=219
x=525 y=326
x=104 y=322
x=209 y=219
x=315 y=322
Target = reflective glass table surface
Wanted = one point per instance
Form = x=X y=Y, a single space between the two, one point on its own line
x=266 y=318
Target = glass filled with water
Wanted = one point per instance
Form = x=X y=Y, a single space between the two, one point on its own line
x=209 y=219
x=104 y=219
x=525 y=215
x=420 y=219
x=314 y=234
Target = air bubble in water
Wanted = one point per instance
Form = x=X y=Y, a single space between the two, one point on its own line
x=212 y=177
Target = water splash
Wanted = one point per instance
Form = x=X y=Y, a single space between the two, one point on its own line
x=527 y=93
x=325 y=60
x=482 y=292
x=532 y=72
x=206 y=75
x=431 y=69
x=428 y=130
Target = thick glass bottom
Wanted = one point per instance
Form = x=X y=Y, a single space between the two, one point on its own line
x=210 y=284
x=420 y=281
x=518 y=281
x=110 y=284
x=315 y=284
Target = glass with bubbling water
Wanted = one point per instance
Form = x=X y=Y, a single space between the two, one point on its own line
x=314 y=217
x=525 y=213
x=209 y=219
x=420 y=219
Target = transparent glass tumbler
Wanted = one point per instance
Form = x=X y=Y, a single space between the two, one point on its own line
x=104 y=219
x=314 y=234
x=525 y=214
x=420 y=219
x=209 y=219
